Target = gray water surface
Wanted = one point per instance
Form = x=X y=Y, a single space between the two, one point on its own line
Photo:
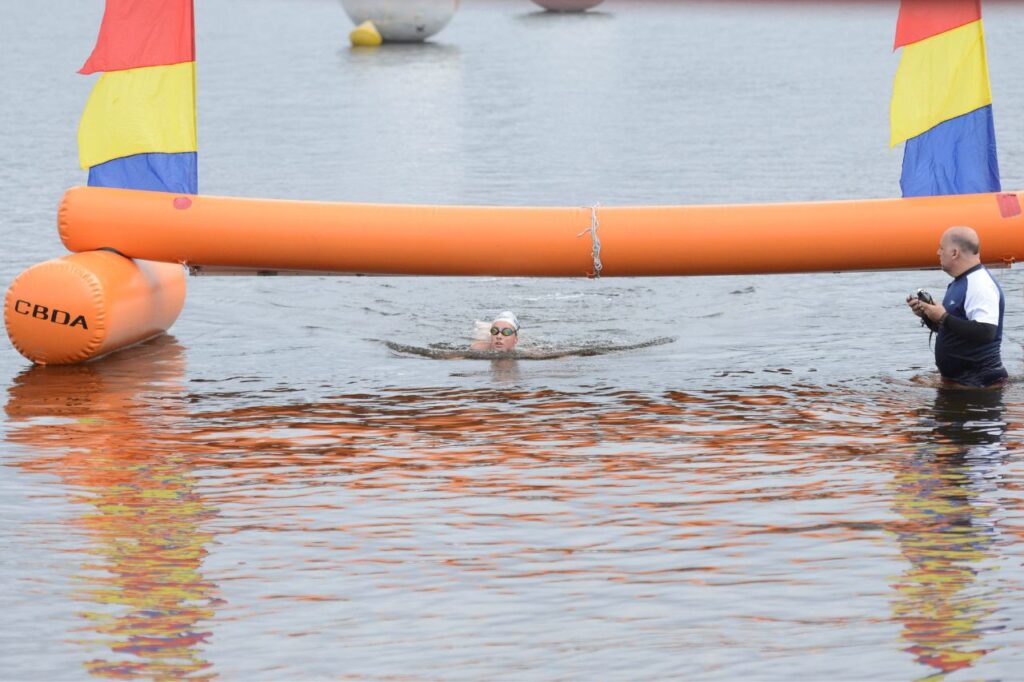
x=269 y=492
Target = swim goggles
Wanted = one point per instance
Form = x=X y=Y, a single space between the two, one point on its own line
x=506 y=331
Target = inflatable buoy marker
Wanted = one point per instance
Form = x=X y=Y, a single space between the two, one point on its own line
x=365 y=35
x=568 y=5
x=402 y=21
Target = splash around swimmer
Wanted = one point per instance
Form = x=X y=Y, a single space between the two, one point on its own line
x=499 y=339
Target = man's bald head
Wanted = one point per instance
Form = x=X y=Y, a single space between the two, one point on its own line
x=959 y=250
x=964 y=238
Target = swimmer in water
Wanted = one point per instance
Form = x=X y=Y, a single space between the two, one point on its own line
x=504 y=334
x=498 y=340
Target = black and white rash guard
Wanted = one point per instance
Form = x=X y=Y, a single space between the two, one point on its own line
x=969 y=339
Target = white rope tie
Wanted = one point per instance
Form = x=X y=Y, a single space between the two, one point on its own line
x=595 y=240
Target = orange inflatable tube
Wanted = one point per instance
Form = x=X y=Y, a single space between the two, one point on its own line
x=86 y=305
x=463 y=240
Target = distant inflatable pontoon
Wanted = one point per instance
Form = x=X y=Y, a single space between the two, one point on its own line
x=403 y=21
x=568 y=5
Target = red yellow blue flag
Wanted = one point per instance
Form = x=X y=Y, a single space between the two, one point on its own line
x=942 y=102
x=138 y=130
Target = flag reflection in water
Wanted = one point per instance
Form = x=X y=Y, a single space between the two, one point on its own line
x=947 y=531
x=108 y=431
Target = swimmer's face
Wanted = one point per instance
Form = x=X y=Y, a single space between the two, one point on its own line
x=499 y=340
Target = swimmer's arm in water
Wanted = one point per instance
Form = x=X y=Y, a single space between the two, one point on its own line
x=480 y=345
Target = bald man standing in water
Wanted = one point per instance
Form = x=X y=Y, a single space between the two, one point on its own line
x=969 y=320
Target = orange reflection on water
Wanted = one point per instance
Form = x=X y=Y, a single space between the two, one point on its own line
x=126 y=438
x=97 y=431
x=508 y=430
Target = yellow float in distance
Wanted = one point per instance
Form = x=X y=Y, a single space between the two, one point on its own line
x=365 y=35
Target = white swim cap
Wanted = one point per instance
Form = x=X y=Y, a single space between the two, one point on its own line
x=510 y=317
